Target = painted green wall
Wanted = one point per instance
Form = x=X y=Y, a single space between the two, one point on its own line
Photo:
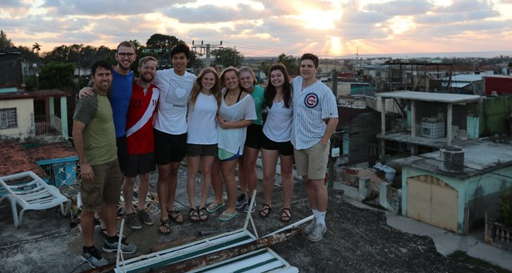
x=493 y=113
x=474 y=192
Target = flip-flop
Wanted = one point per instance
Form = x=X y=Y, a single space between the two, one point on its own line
x=226 y=216
x=213 y=208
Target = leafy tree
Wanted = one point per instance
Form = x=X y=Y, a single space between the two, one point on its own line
x=4 y=42
x=265 y=66
x=161 y=41
x=227 y=57
x=291 y=63
x=57 y=75
x=28 y=55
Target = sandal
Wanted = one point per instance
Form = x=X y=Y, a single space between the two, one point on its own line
x=166 y=224
x=227 y=216
x=203 y=216
x=265 y=211
x=213 y=208
x=176 y=216
x=193 y=214
x=286 y=215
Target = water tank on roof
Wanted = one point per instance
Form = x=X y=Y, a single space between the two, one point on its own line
x=452 y=159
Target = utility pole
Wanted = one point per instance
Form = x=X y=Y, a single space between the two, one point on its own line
x=204 y=49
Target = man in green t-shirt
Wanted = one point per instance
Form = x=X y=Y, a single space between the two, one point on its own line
x=95 y=143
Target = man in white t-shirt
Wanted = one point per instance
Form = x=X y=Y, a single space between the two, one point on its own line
x=170 y=130
x=315 y=116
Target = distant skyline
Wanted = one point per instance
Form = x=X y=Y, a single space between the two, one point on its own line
x=334 y=28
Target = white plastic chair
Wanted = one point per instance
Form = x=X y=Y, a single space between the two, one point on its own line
x=30 y=192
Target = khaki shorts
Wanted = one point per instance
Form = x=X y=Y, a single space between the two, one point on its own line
x=312 y=162
x=105 y=188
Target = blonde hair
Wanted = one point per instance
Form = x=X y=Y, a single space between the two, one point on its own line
x=196 y=89
x=144 y=60
x=250 y=71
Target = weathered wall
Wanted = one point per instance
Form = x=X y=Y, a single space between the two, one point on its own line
x=362 y=130
x=494 y=112
x=25 y=118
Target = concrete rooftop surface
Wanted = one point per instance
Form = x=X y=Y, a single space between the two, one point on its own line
x=358 y=239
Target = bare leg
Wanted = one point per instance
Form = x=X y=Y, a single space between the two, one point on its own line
x=242 y=177
x=109 y=215
x=269 y=158
x=128 y=194
x=143 y=190
x=320 y=193
x=217 y=182
x=228 y=172
x=206 y=174
x=250 y=156
x=287 y=179
x=162 y=188
x=173 y=179
x=310 y=190
x=87 y=220
x=193 y=165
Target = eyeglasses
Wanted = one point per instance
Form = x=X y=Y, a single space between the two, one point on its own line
x=124 y=54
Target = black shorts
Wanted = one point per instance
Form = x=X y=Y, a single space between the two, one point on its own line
x=254 y=136
x=201 y=149
x=284 y=148
x=169 y=148
x=122 y=153
x=140 y=164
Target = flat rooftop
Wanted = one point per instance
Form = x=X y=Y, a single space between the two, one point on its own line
x=479 y=158
x=432 y=97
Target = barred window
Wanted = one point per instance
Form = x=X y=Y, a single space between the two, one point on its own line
x=8 y=118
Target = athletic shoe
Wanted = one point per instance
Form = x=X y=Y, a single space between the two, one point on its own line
x=248 y=204
x=317 y=233
x=133 y=221
x=241 y=201
x=94 y=258
x=145 y=218
x=309 y=229
x=112 y=247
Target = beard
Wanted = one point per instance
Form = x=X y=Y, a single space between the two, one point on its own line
x=147 y=77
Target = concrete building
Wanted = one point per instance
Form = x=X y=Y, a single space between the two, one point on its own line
x=456 y=201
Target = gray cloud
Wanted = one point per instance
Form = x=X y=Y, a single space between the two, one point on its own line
x=460 y=11
x=211 y=13
x=108 y=7
x=12 y=4
x=401 y=7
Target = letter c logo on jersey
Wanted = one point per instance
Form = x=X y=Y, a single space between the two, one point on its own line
x=311 y=100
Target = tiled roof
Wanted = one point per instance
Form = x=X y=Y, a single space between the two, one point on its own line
x=51 y=151
x=38 y=94
x=14 y=158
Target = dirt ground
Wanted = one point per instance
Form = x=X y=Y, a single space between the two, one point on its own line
x=357 y=240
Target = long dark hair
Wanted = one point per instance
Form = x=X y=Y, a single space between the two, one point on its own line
x=270 y=90
x=198 y=86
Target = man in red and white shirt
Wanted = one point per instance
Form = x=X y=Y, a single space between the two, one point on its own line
x=139 y=137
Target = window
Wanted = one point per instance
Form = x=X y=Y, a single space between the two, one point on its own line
x=8 y=118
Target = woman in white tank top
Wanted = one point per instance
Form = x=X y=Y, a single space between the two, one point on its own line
x=276 y=140
x=202 y=137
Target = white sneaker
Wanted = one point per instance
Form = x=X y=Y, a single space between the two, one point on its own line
x=309 y=229
x=317 y=233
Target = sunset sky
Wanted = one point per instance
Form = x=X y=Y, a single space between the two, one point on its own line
x=268 y=27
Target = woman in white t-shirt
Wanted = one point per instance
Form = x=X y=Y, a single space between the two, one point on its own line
x=236 y=113
x=202 y=140
x=276 y=139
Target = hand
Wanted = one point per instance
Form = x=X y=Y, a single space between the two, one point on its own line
x=324 y=142
x=85 y=92
x=86 y=171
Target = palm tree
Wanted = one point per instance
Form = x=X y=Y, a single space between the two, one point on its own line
x=36 y=47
